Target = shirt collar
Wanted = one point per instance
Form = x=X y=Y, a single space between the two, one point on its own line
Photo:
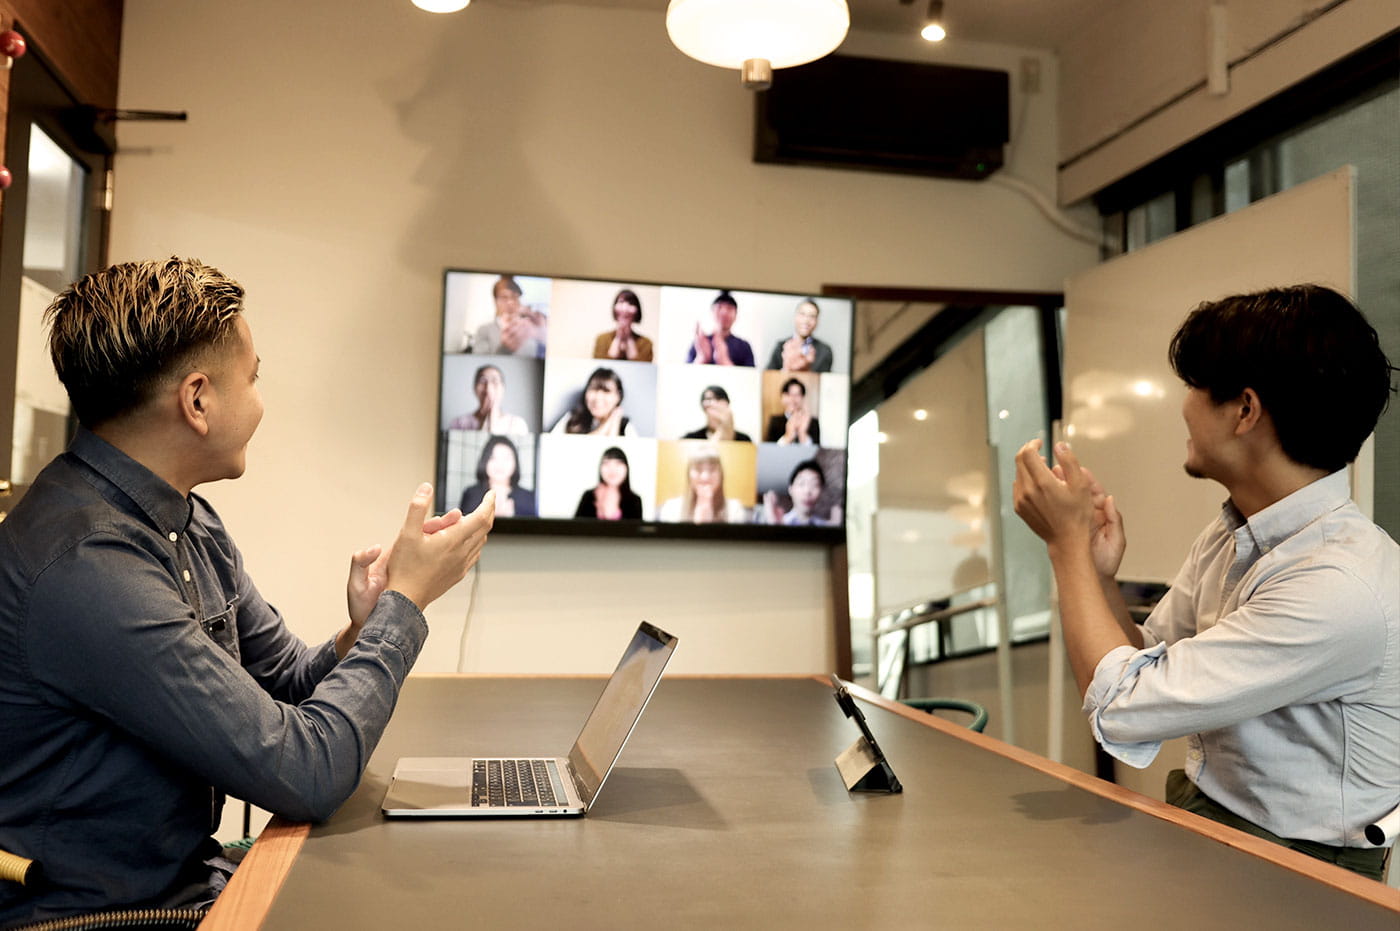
x=166 y=507
x=1287 y=516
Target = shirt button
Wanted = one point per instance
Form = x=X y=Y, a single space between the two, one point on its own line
x=187 y=575
x=174 y=536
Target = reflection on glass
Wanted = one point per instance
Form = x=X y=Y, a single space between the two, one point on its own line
x=53 y=235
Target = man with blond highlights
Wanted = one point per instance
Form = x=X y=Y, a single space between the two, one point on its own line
x=1276 y=650
x=142 y=675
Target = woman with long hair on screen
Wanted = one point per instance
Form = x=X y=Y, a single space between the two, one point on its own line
x=498 y=469
x=612 y=498
x=623 y=341
x=599 y=408
x=704 y=501
x=489 y=386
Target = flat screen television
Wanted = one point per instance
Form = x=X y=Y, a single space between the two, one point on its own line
x=608 y=407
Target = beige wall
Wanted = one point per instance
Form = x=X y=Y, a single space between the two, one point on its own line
x=1133 y=82
x=335 y=161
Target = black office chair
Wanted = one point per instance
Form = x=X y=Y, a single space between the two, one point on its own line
x=17 y=869
x=979 y=714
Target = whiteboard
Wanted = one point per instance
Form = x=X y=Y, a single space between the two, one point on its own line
x=1122 y=407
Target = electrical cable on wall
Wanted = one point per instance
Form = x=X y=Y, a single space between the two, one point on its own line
x=1047 y=207
x=467 y=619
x=1010 y=180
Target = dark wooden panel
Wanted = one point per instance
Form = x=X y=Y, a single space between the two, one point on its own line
x=81 y=38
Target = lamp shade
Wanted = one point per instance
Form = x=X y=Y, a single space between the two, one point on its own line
x=728 y=33
x=441 y=6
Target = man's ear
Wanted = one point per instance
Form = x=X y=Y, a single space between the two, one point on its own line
x=195 y=393
x=1251 y=411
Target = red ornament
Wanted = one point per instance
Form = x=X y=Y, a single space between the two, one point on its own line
x=12 y=44
x=5 y=178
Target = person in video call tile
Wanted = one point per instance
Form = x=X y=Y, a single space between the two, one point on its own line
x=612 y=498
x=498 y=470
x=623 y=341
x=704 y=501
x=1276 y=650
x=719 y=418
x=802 y=352
x=517 y=330
x=795 y=425
x=142 y=674
x=721 y=347
x=805 y=488
x=489 y=386
x=599 y=408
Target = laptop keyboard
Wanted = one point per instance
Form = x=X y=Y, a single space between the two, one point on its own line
x=511 y=783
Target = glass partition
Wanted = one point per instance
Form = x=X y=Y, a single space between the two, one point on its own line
x=53 y=241
x=932 y=528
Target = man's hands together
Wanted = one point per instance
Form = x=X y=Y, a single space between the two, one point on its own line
x=1083 y=532
x=1066 y=506
x=429 y=556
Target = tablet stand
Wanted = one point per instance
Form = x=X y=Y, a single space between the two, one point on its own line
x=862 y=765
x=863 y=771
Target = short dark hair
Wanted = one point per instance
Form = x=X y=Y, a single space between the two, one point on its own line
x=630 y=296
x=808 y=465
x=510 y=285
x=719 y=393
x=724 y=297
x=794 y=381
x=116 y=334
x=1313 y=359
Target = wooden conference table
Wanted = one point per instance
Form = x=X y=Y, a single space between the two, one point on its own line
x=725 y=810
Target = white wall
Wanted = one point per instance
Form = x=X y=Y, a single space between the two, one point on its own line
x=337 y=159
x=1133 y=81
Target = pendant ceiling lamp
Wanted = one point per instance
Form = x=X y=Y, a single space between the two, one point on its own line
x=756 y=36
x=933 y=29
x=441 y=6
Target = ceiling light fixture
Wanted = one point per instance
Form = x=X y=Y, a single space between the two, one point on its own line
x=756 y=36
x=933 y=29
x=441 y=6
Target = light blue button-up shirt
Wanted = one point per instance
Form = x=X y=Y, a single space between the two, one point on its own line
x=1277 y=651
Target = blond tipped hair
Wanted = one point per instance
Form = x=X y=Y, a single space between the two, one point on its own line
x=116 y=334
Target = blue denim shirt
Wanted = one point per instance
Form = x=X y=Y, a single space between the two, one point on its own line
x=142 y=675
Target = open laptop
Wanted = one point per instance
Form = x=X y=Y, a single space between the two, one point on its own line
x=469 y=787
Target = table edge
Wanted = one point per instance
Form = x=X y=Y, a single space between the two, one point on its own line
x=1330 y=874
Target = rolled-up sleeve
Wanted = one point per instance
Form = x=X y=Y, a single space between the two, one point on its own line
x=1114 y=675
x=1314 y=634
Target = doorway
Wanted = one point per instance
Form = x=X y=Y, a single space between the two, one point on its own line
x=53 y=231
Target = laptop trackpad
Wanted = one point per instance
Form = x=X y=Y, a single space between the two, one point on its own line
x=444 y=788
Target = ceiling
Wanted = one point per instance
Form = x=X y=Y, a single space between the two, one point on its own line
x=1044 y=24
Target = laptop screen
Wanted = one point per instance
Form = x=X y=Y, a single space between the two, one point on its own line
x=624 y=697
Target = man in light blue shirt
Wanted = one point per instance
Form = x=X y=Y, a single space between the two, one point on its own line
x=1277 y=648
